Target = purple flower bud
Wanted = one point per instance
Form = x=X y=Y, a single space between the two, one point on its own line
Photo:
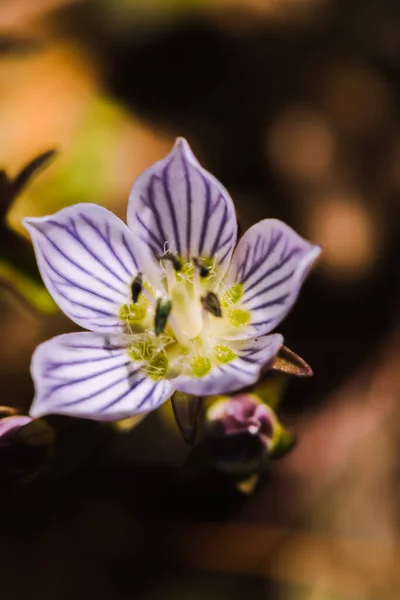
x=239 y=431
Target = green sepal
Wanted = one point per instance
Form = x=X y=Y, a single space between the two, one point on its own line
x=36 y=433
x=187 y=415
x=290 y=363
x=270 y=390
x=282 y=442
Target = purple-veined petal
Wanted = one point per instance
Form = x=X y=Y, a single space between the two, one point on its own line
x=88 y=259
x=179 y=206
x=89 y=375
x=237 y=374
x=271 y=262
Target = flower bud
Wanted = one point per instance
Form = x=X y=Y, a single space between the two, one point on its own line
x=239 y=431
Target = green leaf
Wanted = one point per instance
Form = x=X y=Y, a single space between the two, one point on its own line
x=19 y=272
x=10 y=188
x=35 y=165
x=18 y=268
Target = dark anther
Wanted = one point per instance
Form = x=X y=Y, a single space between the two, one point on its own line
x=163 y=310
x=211 y=304
x=136 y=287
x=204 y=271
x=176 y=263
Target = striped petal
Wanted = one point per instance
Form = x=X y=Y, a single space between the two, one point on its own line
x=270 y=264
x=241 y=372
x=91 y=376
x=88 y=259
x=177 y=205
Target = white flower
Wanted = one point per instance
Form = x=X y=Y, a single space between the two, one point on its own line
x=167 y=305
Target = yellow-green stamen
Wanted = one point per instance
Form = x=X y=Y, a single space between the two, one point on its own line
x=154 y=359
x=142 y=350
x=200 y=264
x=173 y=258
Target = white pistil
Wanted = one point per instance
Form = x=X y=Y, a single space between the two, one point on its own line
x=206 y=318
x=197 y=287
x=170 y=274
x=186 y=311
x=180 y=335
x=149 y=296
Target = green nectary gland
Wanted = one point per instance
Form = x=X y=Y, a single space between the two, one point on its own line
x=232 y=295
x=201 y=365
x=224 y=354
x=132 y=313
x=238 y=316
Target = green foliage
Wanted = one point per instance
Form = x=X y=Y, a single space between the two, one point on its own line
x=18 y=269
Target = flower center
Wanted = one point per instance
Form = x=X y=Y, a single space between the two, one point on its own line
x=187 y=318
x=187 y=283
x=181 y=330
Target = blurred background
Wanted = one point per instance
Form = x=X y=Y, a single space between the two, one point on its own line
x=294 y=106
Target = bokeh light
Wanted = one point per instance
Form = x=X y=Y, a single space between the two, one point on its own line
x=301 y=144
x=350 y=237
x=357 y=99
